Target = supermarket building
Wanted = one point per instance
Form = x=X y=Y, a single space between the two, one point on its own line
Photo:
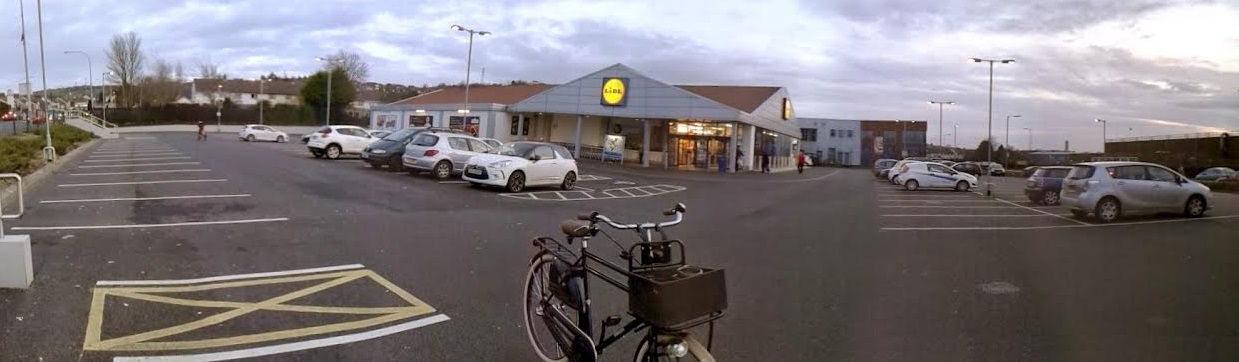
x=619 y=114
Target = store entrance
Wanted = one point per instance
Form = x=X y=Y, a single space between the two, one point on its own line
x=697 y=152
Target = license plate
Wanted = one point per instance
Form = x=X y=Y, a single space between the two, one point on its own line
x=473 y=171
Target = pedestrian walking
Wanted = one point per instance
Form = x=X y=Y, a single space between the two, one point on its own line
x=765 y=162
x=201 y=131
x=800 y=162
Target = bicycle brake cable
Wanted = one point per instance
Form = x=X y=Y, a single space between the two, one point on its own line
x=617 y=244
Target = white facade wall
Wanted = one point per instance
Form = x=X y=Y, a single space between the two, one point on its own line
x=842 y=137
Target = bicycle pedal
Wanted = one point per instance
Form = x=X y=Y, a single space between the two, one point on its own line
x=611 y=321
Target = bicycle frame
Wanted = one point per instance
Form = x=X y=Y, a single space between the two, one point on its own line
x=585 y=316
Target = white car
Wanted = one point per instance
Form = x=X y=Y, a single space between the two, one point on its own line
x=893 y=175
x=915 y=176
x=333 y=141
x=492 y=142
x=519 y=164
x=257 y=132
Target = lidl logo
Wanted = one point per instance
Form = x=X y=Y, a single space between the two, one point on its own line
x=787 y=109
x=615 y=92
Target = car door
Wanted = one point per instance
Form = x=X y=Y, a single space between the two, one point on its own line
x=1167 y=193
x=1132 y=187
x=542 y=171
x=458 y=152
x=264 y=133
x=939 y=176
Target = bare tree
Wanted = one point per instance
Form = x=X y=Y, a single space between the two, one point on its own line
x=161 y=85
x=179 y=71
x=352 y=64
x=208 y=70
x=125 y=61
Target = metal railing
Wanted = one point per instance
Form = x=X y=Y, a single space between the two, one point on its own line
x=21 y=201
x=90 y=118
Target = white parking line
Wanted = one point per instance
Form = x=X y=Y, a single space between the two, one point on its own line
x=138 y=226
x=146 y=198
x=143 y=164
x=453 y=182
x=141 y=155
x=121 y=152
x=143 y=159
x=228 y=277
x=140 y=183
x=939 y=200
x=949 y=207
x=967 y=215
x=1042 y=211
x=291 y=347
x=139 y=172
x=1085 y=225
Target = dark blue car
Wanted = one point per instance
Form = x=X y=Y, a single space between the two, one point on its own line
x=1045 y=184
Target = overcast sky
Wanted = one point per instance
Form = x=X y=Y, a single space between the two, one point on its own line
x=1150 y=67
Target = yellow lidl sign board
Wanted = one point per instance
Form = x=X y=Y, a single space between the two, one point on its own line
x=615 y=92
x=787 y=109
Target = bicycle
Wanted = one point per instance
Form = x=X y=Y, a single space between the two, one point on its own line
x=666 y=297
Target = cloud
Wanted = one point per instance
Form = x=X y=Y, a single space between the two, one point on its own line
x=1152 y=66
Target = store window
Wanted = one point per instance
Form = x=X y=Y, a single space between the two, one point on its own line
x=420 y=121
x=832 y=133
x=808 y=134
x=850 y=134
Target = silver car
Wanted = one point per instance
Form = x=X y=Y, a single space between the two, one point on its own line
x=1109 y=190
x=441 y=153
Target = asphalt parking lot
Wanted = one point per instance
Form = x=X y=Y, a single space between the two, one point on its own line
x=1008 y=209
x=163 y=246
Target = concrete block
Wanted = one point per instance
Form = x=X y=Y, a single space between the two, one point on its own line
x=16 y=265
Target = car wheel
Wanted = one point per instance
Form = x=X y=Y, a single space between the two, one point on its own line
x=394 y=163
x=1081 y=214
x=516 y=182
x=316 y=153
x=333 y=151
x=443 y=170
x=1108 y=210
x=961 y=186
x=1195 y=206
x=911 y=185
x=279 y=139
x=569 y=181
x=249 y=138
x=1050 y=197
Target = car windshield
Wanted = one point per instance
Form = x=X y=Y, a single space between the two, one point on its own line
x=401 y=134
x=515 y=149
x=1081 y=172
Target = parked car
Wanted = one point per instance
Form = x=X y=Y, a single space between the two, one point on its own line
x=389 y=150
x=1216 y=174
x=257 y=132
x=492 y=142
x=971 y=168
x=917 y=175
x=1028 y=171
x=380 y=133
x=333 y=141
x=881 y=165
x=1045 y=184
x=996 y=169
x=1110 y=190
x=518 y=165
x=441 y=153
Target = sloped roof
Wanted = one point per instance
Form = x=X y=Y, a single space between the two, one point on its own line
x=495 y=94
x=743 y=98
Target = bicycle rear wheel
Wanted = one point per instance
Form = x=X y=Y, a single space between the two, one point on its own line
x=537 y=289
x=696 y=352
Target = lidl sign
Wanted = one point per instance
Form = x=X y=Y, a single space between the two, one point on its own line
x=787 y=109
x=614 y=92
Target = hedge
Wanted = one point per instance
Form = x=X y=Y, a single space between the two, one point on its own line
x=23 y=153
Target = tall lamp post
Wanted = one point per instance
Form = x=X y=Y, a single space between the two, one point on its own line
x=90 y=73
x=989 y=138
x=955 y=135
x=940 y=104
x=262 y=93
x=331 y=68
x=468 y=62
x=103 y=80
x=219 y=110
x=49 y=152
x=1006 y=156
x=26 y=63
x=1103 y=134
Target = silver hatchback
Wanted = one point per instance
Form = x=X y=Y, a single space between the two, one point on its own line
x=441 y=153
x=1110 y=190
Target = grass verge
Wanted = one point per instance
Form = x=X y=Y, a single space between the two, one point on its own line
x=23 y=153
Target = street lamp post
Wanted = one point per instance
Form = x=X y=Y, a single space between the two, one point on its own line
x=219 y=110
x=1103 y=134
x=955 y=135
x=331 y=68
x=989 y=138
x=90 y=75
x=1006 y=156
x=103 y=80
x=49 y=152
x=262 y=93
x=468 y=63
x=940 y=104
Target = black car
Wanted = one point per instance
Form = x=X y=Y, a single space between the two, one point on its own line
x=969 y=168
x=1045 y=184
x=389 y=149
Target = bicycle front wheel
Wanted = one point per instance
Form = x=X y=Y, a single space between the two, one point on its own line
x=696 y=352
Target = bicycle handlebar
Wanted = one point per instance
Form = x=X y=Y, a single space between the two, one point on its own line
x=677 y=211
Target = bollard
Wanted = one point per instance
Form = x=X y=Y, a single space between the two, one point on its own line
x=49 y=153
x=16 y=266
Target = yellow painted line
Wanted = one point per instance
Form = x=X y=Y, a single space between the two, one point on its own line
x=145 y=341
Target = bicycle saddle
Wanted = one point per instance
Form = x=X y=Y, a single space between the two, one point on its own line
x=575 y=228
